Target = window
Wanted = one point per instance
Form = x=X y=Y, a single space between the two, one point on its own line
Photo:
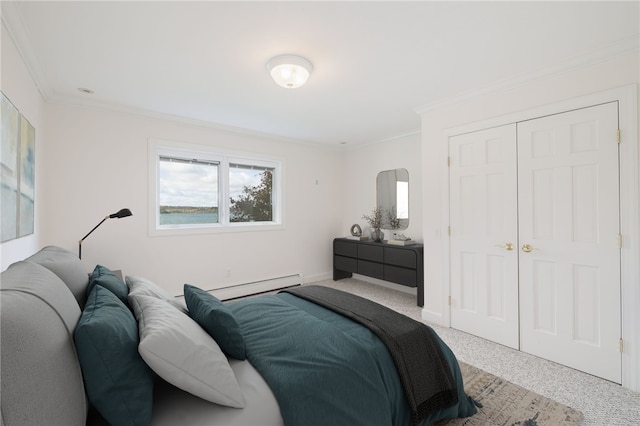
x=194 y=190
x=187 y=191
x=251 y=193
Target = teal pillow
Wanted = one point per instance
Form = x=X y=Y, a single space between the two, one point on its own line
x=217 y=320
x=106 y=278
x=118 y=382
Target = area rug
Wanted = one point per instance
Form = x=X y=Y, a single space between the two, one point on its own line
x=506 y=404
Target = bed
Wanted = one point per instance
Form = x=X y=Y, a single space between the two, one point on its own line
x=140 y=356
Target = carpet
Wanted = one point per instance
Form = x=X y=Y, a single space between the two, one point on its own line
x=505 y=403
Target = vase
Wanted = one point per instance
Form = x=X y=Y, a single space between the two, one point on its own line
x=377 y=235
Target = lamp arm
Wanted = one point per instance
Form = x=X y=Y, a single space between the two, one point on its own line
x=88 y=233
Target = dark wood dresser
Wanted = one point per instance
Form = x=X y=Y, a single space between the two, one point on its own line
x=397 y=264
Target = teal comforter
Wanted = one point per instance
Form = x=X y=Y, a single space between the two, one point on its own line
x=324 y=369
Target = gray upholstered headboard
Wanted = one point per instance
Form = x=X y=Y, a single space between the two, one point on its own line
x=41 y=380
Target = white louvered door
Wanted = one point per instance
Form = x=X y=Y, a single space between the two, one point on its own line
x=534 y=254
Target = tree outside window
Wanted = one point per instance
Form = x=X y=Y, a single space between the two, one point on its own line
x=254 y=202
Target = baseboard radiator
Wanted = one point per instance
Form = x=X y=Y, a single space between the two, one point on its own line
x=257 y=287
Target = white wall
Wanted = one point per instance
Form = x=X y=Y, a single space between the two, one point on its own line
x=18 y=86
x=96 y=163
x=622 y=70
x=91 y=162
x=361 y=167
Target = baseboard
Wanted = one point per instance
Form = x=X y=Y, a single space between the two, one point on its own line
x=257 y=287
x=434 y=318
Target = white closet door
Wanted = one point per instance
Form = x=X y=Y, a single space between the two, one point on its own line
x=484 y=252
x=569 y=252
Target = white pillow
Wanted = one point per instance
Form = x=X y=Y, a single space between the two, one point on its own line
x=139 y=285
x=182 y=353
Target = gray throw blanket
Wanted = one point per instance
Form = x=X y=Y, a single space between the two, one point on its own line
x=423 y=369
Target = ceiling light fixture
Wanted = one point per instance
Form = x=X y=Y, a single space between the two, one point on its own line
x=289 y=71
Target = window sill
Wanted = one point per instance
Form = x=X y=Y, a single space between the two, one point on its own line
x=215 y=229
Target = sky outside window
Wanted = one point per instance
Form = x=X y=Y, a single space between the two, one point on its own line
x=190 y=184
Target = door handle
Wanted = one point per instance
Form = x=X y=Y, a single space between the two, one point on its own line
x=506 y=246
x=527 y=248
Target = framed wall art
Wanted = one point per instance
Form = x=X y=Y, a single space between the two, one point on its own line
x=17 y=178
x=27 y=177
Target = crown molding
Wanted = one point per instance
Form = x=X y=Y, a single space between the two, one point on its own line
x=12 y=21
x=622 y=47
x=186 y=121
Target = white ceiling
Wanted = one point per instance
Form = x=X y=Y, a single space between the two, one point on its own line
x=374 y=63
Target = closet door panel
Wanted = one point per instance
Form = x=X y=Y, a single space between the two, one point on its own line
x=569 y=269
x=484 y=275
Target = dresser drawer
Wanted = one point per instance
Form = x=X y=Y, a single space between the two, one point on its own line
x=400 y=257
x=397 y=264
x=402 y=276
x=370 y=252
x=345 y=263
x=345 y=248
x=370 y=269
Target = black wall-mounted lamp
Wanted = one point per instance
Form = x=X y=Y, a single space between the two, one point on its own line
x=120 y=214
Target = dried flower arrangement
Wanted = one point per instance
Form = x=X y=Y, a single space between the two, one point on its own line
x=392 y=219
x=380 y=217
x=375 y=218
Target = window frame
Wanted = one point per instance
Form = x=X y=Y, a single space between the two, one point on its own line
x=165 y=148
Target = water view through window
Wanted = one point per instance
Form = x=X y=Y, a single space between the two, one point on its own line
x=189 y=192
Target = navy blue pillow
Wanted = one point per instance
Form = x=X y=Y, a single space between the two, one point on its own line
x=217 y=320
x=104 y=277
x=118 y=382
